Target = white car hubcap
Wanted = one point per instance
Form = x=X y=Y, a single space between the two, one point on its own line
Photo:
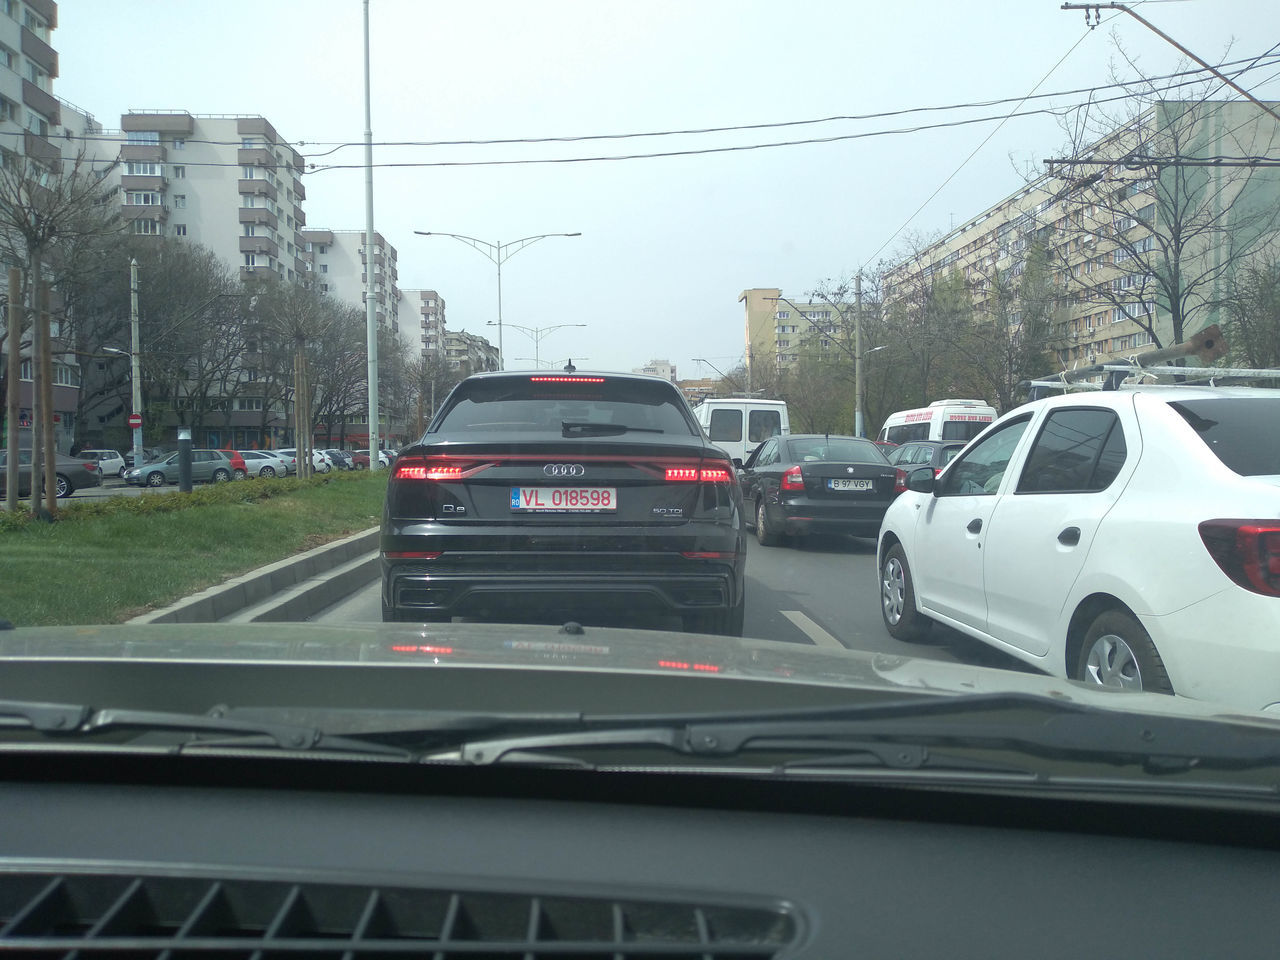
x=1112 y=663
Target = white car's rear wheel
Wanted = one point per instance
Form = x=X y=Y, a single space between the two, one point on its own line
x=898 y=599
x=1118 y=652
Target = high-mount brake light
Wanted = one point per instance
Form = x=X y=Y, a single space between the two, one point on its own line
x=698 y=475
x=414 y=554
x=566 y=379
x=793 y=479
x=1248 y=551
x=686 y=665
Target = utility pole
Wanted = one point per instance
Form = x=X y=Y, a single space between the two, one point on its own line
x=12 y=378
x=857 y=356
x=370 y=307
x=135 y=363
x=46 y=401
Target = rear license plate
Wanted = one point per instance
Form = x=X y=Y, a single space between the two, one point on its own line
x=850 y=484
x=564 y=499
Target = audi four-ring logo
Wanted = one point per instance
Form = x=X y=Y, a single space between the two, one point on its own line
x=564 y=470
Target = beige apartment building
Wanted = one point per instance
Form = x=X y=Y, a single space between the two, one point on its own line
x=429 y=306
x=469 y=353
x=1104 y=223
x=337 y=261
x=779 y=330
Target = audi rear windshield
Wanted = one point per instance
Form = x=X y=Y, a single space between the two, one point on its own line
x=1243 y=432
x=545 y=403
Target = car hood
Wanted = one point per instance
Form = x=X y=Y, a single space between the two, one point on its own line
x=565 y=650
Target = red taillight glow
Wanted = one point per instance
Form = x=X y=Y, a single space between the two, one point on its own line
x=899 y=481
x=707 y=554
x=698 y=474
x=419 y=648
x=684 y=665
x=413 y=554
x=431 y=468
x=1248 y=551
x=793 y=479
x=566 y=379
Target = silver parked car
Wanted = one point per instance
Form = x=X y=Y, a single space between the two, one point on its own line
x=73 y=473
x=207 y=466
x=265 y=463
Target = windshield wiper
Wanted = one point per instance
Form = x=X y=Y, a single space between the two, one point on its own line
x=889 y=733
x=77 y=721
x=569 y=428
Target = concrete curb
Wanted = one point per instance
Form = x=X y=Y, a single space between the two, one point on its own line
x=357 y=555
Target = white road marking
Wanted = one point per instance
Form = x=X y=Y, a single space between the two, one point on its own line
x=812 y=630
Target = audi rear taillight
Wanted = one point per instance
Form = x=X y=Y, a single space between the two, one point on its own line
x=899 y=481
x=1248 y=551
x=793 y=479
x=702 y=474
x=436 y=468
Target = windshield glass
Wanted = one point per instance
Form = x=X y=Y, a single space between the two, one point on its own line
x=513 y=390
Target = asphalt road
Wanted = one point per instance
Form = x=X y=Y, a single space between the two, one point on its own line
x=824 y=592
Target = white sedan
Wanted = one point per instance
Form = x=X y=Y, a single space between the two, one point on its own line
x=267 y=463
x=319 y=462
x=1126 y=538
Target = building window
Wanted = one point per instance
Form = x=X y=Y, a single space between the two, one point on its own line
x=179 y=200
x=249 y=403
x=148 y=228
x=324 y=268
x=142 y=198
x=8 y=109
x=144 y=137
x=143 y=169
x=180 y=229
x=7 y=56
x=179 y=172
x=250 y=143
x=248 y=200
x=324 y=288
x=179 y=143
x=324 y=249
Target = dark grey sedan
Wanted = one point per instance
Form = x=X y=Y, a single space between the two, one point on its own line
x=798 y=484
x=72 y=474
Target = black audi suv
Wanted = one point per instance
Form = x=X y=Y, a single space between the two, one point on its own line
x=575 y=496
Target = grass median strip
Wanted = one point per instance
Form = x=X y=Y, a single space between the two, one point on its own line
x=107 y=561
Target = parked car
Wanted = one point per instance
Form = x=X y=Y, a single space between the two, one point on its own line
x=579 y=495
x=319 y=462
x=1041 y=538
x=798 y=484
x=340 y=458
x=383 y=458
x=72 y=473
x=110 y=462
x=924 y=453
x=207 y=466
x=149 y=455
x=239 y=469
x=264 y=463
x=359 y=461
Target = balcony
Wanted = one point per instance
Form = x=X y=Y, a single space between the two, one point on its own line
x=259 y=245
x=170 y=123
x=142 y=152
x=38 y=148
x=317 y=236
x=43 y=103
x=145 y=211
x=149 y=184
x=48 y=9
x=257 y=127
x=256 y=157
x=259 y=215
x=300 y=265
x=257 y=188
x=299 y=217
x=36 y=49
x=298 y=190
x=262 y=271
x=378 y=258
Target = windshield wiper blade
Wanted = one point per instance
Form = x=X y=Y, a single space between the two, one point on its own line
x=568 y=428
x=71 y=721
x=1020 y=724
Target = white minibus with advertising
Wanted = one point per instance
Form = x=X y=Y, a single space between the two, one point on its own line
x=940 y=420
x=737 y=425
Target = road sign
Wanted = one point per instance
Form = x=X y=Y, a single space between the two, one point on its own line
x=135 y=420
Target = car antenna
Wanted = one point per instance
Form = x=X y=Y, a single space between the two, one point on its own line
x=569 y=367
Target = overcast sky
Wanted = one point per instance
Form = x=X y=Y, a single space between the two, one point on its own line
x=668 y=243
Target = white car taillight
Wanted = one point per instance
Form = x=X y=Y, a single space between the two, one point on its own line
x=1248 y=551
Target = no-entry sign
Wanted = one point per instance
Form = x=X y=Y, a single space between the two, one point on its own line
x=135 y=420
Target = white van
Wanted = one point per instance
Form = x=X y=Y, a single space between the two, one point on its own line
x=940 y=420
x=737 y=425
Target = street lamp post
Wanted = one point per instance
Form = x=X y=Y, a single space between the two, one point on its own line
x=535 y=334
x=499 y=253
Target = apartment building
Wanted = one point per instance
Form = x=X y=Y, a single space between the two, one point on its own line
x=659 y=368
x=229 y=183
x=1105 y=220
x=468 y=353
x=337 y=261
x=429 y=306
x=779 y=331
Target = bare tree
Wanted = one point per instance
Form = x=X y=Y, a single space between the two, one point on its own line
x=46 y=203
x=1252 y=324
